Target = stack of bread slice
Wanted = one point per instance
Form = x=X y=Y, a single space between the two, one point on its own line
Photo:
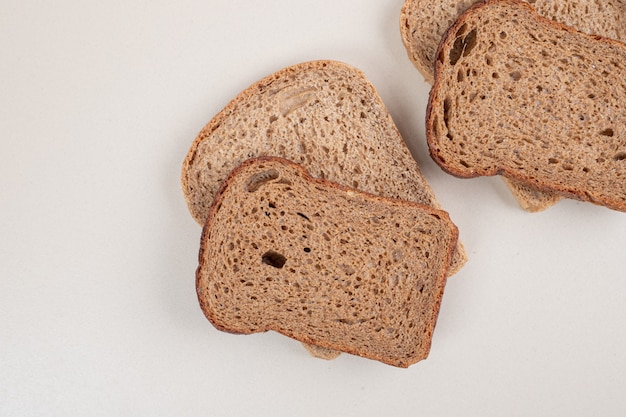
x=422 y=27
x=533 y=100
x=348 y=249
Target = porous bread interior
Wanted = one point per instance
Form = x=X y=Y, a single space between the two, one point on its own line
x=324 y=115
x=535 y=101
x=423 y=23
x=325 y=265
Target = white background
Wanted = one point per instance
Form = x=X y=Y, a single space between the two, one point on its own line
x=99 y=103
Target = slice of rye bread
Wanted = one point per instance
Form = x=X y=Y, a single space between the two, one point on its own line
x=536 y=101
x=325 y=115
x=322 y=263
x=422 y=25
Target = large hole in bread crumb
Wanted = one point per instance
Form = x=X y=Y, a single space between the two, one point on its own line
x=274 y=259
x=260 y=178
x=462 y=46
x=446 y=115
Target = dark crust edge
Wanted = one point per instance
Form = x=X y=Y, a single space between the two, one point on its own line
x=440 y=279
x=433 y=98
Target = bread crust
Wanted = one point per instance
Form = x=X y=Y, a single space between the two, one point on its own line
x=574 y=191
x=344 y=347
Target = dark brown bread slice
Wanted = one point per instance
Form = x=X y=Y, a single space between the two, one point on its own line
x=325 y=115
x=536 y=101
x=324 y=264
x=423 y=23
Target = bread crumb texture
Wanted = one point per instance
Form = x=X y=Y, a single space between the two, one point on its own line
x=324 y=264
x=538 y=102
x=424 y=22
x=324 y=115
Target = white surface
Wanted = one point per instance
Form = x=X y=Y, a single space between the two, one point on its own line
x=99 y=102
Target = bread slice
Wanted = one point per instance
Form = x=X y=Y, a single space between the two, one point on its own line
x=423 y=23
x=322 y=263
x=536 y=101
x=325 y=115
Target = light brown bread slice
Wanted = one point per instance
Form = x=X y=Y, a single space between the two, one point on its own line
x=538 y=102
x=325 y=115
x=322 y=263
x=423 y=23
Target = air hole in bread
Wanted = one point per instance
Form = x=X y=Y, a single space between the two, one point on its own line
x=274 y=259
x=503 y=35
x=607 y=132
x=462 y=45
x=446 y=115
x=304 y=216
x=516 y=75
x=456 y=51
x=258 y=179
x=461 y=30
x=553 y=161
x=620 y=156
x=470 y=42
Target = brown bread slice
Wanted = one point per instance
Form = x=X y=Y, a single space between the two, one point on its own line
x=536 y=101
x=322 y=263
x=325 y=115
x=423 y=23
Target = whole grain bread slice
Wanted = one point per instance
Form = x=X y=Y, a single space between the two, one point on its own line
x=324 y=264
x=536 y=101
x=325 y=115
x=423 y=23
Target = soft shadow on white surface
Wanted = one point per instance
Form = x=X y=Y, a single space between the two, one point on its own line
x=98 y=312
